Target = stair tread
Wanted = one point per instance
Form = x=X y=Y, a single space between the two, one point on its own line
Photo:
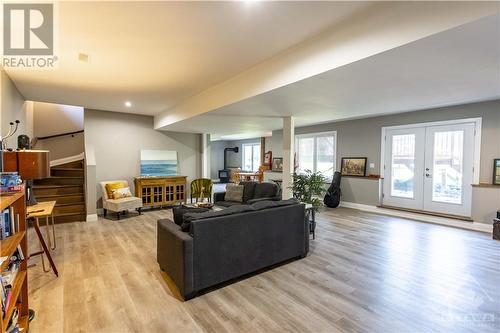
x=69 y=214
x=56 y=186
x=70 y=203
x=65 y=177
x=48 y=196
x=66 y=169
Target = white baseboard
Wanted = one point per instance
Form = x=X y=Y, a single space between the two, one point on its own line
x=91 y=218
x=475 y=226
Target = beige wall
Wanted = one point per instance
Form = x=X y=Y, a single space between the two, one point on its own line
x=51 y=119
x=61 y=147
x=362 y=137
x=13 y=106
x=117 y=139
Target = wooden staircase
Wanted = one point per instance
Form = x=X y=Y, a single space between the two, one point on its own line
x=66 y=187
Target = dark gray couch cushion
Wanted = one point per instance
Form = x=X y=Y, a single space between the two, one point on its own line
x=228 y=203
x=179 y=211
x=248 y=191
x=291 y=201
x=264 y=204
x=265 y=190
x=189 y=217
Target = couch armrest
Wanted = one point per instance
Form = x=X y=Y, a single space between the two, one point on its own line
x=251 y=201
x=219 y=196
x=175 y=255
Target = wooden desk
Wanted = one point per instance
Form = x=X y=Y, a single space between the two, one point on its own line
x=35 y=212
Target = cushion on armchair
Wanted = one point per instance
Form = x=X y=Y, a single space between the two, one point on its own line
x=110 y=187
x=120 y=193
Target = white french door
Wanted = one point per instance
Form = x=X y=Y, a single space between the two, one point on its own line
x=430 y=168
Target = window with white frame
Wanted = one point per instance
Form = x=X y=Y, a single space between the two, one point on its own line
x=251 y=157
x=317 y=152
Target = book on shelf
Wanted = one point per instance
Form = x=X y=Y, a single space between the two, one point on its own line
x=13 y=326
x=7 y=279
x=9 y=223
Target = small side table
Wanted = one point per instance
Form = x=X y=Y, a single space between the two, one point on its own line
x=35 y=212
x=311 y=218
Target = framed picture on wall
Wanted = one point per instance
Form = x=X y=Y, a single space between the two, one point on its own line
x=496 y=171
x=268 y=157
x=277 y=164
x=353 y=166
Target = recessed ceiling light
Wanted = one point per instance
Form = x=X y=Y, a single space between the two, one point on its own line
x=128 y=104
x=83 y=57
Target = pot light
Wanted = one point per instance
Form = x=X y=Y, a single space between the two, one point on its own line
x=128 y=104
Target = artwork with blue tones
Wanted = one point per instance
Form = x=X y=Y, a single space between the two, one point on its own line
x=158 y=163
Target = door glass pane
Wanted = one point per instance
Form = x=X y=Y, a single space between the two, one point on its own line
x=403 y=165
x=256 y=158
x=306 y=153
x=325 y=156
x=447 y=167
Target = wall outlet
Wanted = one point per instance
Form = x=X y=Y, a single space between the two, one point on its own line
x=372 y=165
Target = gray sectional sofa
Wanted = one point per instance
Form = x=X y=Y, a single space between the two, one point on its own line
x=219 y=246
x=252 y=192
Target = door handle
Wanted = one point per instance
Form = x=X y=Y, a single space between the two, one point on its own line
x=428 y=175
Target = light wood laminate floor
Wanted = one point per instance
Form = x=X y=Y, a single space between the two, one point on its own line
x=364 y=273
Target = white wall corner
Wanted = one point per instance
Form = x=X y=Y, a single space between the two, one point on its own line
x=91 y=218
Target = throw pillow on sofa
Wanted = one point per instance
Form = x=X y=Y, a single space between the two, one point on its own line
x=265 y=190
x=234 y=193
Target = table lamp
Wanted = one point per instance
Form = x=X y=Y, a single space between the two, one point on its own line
x=30 y=164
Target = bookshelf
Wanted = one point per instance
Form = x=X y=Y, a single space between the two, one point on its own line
x=8 y=246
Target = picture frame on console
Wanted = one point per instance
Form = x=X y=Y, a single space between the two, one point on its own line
x=277 y=164
x=353 y=166
x=268 y=158
x=496 y=171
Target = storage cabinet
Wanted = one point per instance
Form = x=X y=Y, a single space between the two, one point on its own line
x=161 y=191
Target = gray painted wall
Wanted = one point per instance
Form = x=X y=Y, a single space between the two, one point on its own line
x=235 y=160
x=51 y=119
x=362 y=137
x=217 y=157
x=13 y=106
x=117 y=139
x=64 y=146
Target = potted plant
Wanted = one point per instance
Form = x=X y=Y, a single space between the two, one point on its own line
x=309 y=187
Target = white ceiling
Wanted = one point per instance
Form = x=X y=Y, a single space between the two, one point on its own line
x=457 y=66
x=156 y=54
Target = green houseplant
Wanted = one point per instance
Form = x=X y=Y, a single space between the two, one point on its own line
x=309 y=187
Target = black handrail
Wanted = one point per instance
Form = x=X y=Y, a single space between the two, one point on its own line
x=58 y=135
